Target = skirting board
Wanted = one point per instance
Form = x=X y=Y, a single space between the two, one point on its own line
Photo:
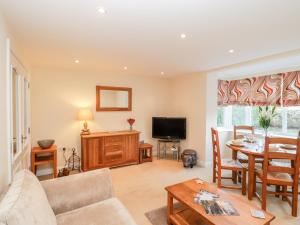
x=49 y=170
x=205 y=164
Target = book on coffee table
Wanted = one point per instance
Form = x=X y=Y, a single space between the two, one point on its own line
x=219 y=208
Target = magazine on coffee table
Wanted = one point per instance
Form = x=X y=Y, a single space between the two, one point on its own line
x=217 y=207
x=204 y=195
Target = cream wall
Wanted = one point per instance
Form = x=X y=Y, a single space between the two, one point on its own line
x=195 y=97
x=57 y=94
x=284 y=62
x=4 y=165
x=188 y=94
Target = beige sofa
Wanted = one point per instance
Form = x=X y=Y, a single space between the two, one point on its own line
x=81 y=199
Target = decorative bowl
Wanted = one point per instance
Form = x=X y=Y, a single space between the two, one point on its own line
x=47 y=143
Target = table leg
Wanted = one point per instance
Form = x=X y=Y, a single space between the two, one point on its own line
x=251 y=181
x=234 y=173
x=55 y=164
x=169 y=208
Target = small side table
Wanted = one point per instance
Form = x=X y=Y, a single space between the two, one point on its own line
x=174 y=142
x=38 y=157
x=145 y=151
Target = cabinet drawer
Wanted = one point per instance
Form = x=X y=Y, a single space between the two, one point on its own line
x=113 y=148
x=113 y=156
x=113 y=140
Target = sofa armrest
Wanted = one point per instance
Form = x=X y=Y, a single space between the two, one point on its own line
x=78 y=190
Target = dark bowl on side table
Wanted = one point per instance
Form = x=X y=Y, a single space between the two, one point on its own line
x=46 y=143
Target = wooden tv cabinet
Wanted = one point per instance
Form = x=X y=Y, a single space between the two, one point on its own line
x=109 y=149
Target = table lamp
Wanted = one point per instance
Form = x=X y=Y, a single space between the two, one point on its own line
x=85 y=115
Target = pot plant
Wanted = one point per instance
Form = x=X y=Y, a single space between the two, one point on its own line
x=266 y=115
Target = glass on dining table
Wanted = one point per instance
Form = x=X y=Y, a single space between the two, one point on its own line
x=260 y=144
x=250 y=138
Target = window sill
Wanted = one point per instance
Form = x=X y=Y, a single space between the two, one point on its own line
x=224 y=129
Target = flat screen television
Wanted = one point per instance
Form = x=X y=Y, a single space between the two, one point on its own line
x=168 y=128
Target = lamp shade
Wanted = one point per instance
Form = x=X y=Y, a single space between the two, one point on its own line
x=85 y=114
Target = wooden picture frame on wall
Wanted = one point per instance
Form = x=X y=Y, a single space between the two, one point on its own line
x=99 y=100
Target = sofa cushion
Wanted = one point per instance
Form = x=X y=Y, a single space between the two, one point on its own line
x=71 y=192
x=25 y=203
x=107 y=212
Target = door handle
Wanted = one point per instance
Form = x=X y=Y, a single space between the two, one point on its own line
x=24 y=138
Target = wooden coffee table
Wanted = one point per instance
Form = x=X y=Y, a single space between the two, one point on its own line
x=194 y=214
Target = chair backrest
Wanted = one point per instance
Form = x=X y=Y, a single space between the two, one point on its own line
x=216 y=146
x=236 y=129
x=292 y=155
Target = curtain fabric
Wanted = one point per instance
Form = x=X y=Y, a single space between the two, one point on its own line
x=291 y=89
x=256 y=91
x=239 y=92
x=266 y=90
x=223 y=92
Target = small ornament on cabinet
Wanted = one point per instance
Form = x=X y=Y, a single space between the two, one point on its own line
x=131 y=122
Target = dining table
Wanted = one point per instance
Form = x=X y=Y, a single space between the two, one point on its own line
x=253 y=149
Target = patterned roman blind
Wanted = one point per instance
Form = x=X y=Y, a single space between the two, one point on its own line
x=291 y=89
x=239 y=92
x=266 y=90
x=223 y=92
x=256 y=91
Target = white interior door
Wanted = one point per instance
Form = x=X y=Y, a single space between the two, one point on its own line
x=20 y=100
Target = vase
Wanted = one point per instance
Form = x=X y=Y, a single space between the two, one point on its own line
x=266 y=132
x=131 y=127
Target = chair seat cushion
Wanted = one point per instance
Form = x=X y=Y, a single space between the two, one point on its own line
x=230 y=163
x=242 y=156
x=26 y=202
x=110 y=211
x=275 y=177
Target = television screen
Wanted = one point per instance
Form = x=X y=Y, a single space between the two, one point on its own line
x=168 y=128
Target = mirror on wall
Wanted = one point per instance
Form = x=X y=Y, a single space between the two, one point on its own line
x=113 y=98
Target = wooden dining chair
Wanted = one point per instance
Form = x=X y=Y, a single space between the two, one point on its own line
x=225 y=164
x=242 y=158
x=279 y=175
x=239 y=128
x=236 y=135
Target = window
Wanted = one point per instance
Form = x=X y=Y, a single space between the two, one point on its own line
x=220 y=117
x=238 y=115
x=293 y=120
x=286 y=123
x=276 y=124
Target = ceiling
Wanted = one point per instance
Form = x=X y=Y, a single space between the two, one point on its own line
x=144 y=35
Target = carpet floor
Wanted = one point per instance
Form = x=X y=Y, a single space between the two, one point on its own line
x=141 y=189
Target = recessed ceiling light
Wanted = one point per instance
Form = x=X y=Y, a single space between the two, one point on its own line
x=231 y=51
x=76 y=61
x=162 y=73
x=125 y=68
x=101 y=10
x=183 y=36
